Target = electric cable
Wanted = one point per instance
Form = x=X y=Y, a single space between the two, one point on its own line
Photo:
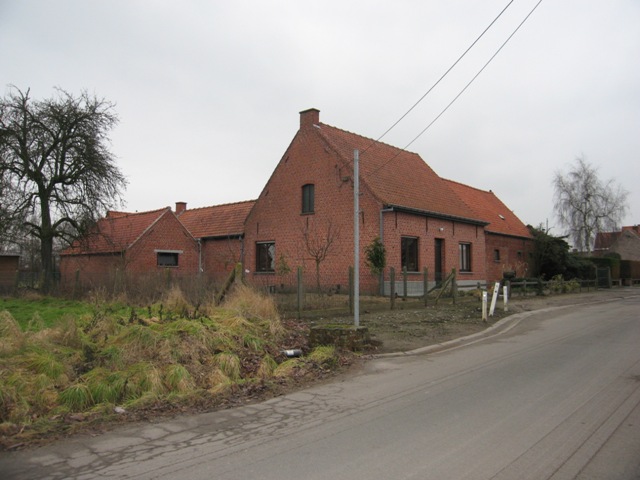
x=462 y=91
x=444 y=74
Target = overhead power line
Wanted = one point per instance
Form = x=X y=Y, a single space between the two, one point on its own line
x=464 y=89
x=475 y=76
x=445 y=73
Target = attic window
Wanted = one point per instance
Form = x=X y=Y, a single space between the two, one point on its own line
x=501 y=216
x=167 y=258
x=308 y=198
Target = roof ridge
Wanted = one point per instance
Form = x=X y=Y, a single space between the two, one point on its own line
x=372 y=140
x=469 y=186
x=219 y=205
x=129 y=214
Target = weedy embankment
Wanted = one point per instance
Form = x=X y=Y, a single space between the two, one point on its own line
x=112 y=363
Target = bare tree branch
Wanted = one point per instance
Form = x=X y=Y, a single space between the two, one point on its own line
x=584 y=205
x=55 y=153
x=318 y=243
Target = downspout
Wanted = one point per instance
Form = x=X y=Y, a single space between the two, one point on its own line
x=382 y=211
x=199 y=256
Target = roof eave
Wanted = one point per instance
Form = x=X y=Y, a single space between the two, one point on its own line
x=512 y=235
x=221 y=237
x=440 y=215
x=101 y=253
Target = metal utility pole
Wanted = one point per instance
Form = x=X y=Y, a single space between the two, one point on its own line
x=356 y=238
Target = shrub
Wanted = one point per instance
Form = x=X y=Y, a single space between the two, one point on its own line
x=324 y=355
x=559 y=285
x=76 y=397
x=11 y=336
x=178 y=379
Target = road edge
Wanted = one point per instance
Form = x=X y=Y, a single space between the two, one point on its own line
x=500 y=327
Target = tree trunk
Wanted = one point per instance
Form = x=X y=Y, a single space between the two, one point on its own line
x=46 y=245
x=318 y=276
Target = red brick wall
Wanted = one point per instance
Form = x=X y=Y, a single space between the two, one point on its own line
x=93 y=269
x=277 y=217
x=428 y=229
x=627 y=245
x=166 y=234
x=515 y=255
x=219 y=257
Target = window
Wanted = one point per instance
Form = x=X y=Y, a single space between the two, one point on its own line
x=167 y=259
x=265 y=256
x=465 y=257
x=409 y=255
x=308 y=194
x=496 y=255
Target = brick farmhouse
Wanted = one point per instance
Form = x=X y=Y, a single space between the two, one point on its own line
x=304 y=218
x=133 y=243
x=625 y=243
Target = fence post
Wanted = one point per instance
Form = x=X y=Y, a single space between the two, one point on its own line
x=299 y=293
x=505 y=296
x=16 y=283
x=494 y=298
x=116 y=282
x=454 y=286
x=352 y=288
x=392 y=288
x=76 y=283
x=405 y=283
x=484 y=306
x=426 y=285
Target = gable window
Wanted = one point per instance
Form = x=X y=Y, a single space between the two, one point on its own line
x=409 y=253
x=167 y=258
x=265 y=256
x=308 y=198
x=465 y=257
x=496 y=255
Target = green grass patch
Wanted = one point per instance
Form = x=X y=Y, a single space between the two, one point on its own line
x=47 y=310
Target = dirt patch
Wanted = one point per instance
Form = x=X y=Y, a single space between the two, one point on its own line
x=412 y=325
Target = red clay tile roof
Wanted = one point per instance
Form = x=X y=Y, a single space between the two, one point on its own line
x=489 y=208
x=217 y=221
x=116 y=232
x=396 y=177
x=604 y=240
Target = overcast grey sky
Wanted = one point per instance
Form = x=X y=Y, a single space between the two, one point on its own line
x=208 y=92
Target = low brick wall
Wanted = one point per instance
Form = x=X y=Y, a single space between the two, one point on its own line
x=342 y=336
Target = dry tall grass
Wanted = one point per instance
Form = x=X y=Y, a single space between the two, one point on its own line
x=94 y=363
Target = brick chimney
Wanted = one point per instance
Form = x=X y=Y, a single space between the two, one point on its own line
x=180 y=207
x=309 y=117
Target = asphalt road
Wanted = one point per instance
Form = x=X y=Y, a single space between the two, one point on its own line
x=557 y=396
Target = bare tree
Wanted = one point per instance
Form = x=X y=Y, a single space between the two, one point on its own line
x=55 y=154
x=10 y=220
x=318 y=243
x=585 y=205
